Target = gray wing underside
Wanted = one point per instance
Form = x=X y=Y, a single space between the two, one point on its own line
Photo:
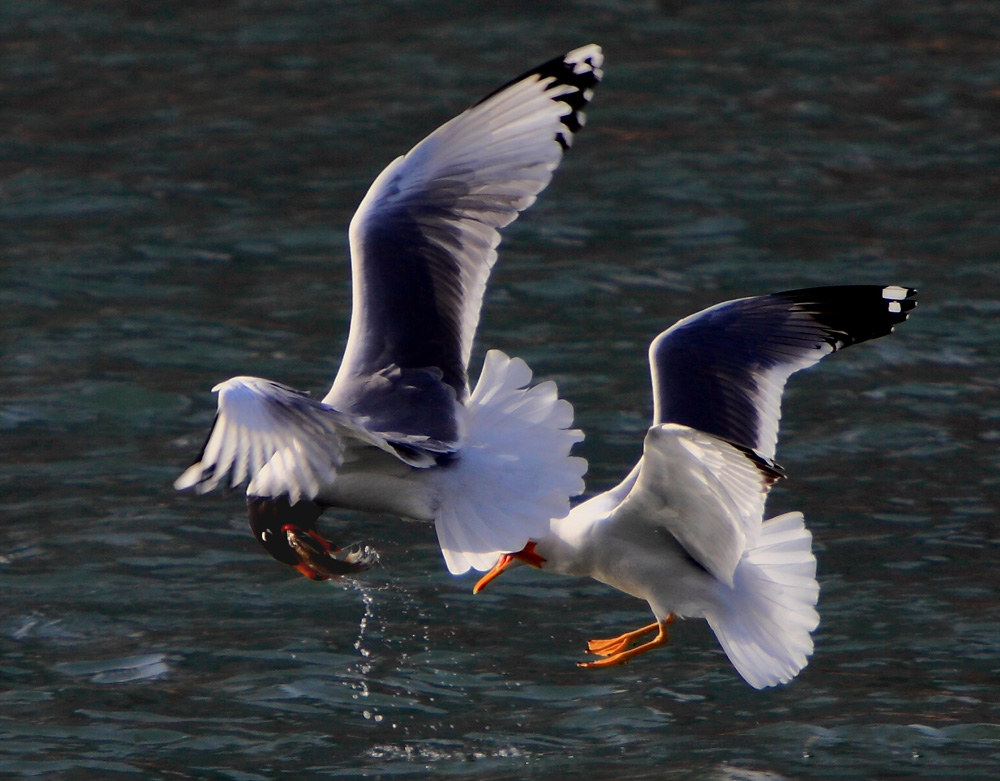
x=723 y=370
x=424 y=240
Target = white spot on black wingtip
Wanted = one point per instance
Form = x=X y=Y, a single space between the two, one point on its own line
x=586 y=59
x=568 y=80
x=900 y=300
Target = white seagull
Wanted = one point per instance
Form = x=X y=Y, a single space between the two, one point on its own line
x=400 y=432
x=685 y=530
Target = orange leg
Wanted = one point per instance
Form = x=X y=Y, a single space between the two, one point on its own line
x=621 y=656
x=613 y=645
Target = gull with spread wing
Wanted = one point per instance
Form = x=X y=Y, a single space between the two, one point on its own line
x=400 y=431
x=685 y=530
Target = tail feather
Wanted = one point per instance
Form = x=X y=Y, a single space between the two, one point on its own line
x=765 y=621
x=514 y=472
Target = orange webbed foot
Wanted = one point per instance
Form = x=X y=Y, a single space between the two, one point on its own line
x=614 y=645
x=616 y=650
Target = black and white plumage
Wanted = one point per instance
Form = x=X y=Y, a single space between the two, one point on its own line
x=400 y=431
x=685 y=530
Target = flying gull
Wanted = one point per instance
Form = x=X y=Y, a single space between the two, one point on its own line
x=685 y=529
x=400 y=431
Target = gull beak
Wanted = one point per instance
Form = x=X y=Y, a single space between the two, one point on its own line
x=319 y=560
x=502 y=563
x=508 y=560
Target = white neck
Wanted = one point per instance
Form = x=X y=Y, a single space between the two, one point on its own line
x=573 y=540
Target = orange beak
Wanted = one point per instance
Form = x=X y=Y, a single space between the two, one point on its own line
x=525 y=556
x=502 y=563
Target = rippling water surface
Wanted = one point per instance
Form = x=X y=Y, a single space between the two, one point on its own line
x=175 y=185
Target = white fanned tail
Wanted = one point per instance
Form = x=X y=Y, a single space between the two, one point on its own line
x=766 y=621
x=514 y=472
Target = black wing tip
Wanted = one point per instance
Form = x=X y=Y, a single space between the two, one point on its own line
x=900 y=300
x=580 y=69
x=855 y=313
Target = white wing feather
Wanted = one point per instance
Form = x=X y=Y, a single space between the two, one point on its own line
x=708 y=494
x=284 y=441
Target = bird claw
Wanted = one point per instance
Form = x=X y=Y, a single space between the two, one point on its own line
x=360 y=556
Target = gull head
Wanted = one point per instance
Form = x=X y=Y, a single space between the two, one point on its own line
x=288 y=532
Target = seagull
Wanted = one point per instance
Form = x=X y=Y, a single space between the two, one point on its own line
x=685 y=529
x=400 y=431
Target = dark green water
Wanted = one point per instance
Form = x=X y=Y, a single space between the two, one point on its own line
x=175 y=185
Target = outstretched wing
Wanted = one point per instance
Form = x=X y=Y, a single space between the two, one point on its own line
x=706 y=493
x=284 y=441
x=723 y=370
x=424 y=240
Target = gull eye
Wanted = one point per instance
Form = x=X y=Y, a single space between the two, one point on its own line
x=265 y=535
